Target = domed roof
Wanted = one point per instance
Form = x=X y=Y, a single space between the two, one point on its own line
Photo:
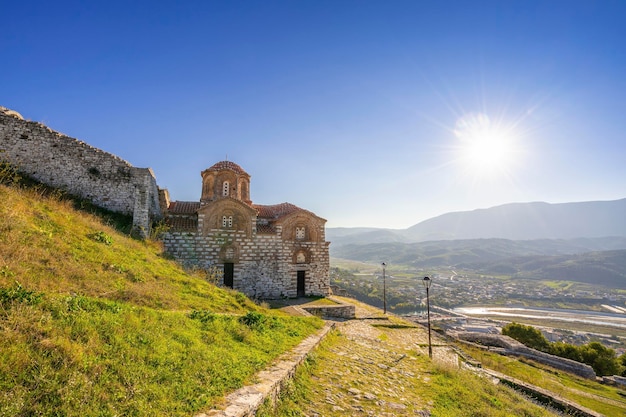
x=227 y=165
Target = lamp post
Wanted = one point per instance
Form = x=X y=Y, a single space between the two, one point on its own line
x=426 y=281
x=384 y=289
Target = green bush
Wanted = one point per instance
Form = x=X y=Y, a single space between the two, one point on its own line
x=19 y=294
x=202 y=315
x=9 y=175
x=603 y=360
x=101 y=237
x=528 y=335
x=254 y=320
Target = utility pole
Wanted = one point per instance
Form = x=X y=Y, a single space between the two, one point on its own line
x=427 y=283
x=384 y=289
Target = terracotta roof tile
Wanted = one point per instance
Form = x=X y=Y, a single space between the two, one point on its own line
x=227 y=165
x=275 y=211
x=183 y=207
x=182 y=224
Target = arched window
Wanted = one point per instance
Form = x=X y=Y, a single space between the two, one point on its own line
x=300 y=232
x=227 y=221
x=225 y=188
x=300 y=257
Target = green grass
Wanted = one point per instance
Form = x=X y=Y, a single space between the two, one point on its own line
x=294 y=393
x=322 y=301
x=604 y=399
x=459 y=392
x=95 y=323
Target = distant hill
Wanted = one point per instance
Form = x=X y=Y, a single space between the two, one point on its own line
x=515 y=221
x=522 y=221
x=606 y=268
x=598 y=261
x=472 y=253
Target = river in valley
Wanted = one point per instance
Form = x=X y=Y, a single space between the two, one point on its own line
x=579 y=316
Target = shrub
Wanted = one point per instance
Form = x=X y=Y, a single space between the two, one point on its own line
x=602 y=359
x=254 y=320
x=527 y=335
x=9 y=174
x=19 y=294
x=158 y=229
x=202 y=315
x=101 y=237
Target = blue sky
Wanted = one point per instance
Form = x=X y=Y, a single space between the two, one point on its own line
x=369 y=113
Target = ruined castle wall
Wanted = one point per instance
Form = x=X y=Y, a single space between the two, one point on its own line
x=82 y=170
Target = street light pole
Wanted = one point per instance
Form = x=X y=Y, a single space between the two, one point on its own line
x=384 y=289
x=427 y=283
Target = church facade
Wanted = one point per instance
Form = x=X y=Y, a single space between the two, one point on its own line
x=264 y=251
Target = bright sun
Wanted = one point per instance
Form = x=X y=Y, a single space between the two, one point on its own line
x=485 y=148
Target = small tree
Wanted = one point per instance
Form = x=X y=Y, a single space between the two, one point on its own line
x=600 y=358
x=566 y=350
x=622 y=360
x=527 y=335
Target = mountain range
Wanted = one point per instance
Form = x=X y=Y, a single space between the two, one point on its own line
x=514 y=221
x=583 y=242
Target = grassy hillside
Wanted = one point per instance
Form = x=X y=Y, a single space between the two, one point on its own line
x=93 y=322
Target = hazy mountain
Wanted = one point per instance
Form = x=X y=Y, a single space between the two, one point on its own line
x=601 y=268
x=361 y=235
x=522 y=221
x=473 y=253
x=515 y=221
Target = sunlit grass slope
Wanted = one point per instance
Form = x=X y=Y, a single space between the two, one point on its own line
x=93 y=322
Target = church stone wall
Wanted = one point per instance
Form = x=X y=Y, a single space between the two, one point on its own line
x=82 y=170
x=263 y=263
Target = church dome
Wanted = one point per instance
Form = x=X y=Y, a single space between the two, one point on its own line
x=225 y=179
x=222 y=165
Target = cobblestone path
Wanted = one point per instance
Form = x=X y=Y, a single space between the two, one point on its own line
x=370 y=369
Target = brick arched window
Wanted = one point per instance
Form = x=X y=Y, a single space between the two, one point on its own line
x=225 y=188
x=227 y=221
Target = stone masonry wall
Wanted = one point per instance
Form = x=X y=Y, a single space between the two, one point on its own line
x=340 y=310
x=264 y=265
x=82 y=170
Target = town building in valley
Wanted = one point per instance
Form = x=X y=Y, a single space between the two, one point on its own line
x=264 y=251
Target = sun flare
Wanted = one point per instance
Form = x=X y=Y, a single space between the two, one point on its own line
x=485 y=148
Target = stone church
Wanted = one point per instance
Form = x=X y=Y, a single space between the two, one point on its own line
x=264 y=251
